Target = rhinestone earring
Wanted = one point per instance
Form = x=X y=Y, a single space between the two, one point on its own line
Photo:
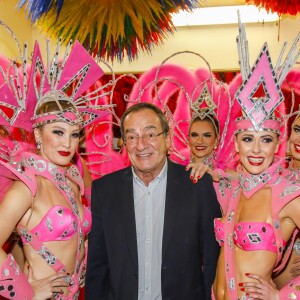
x=38 y=145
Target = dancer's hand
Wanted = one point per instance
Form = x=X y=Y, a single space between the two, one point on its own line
x=199 y=169
x=45 y=287
x=262 y=289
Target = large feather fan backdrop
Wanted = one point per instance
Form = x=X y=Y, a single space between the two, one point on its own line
x=175 y=89
x=108 y=28
x=291 y=7
x=291 y=91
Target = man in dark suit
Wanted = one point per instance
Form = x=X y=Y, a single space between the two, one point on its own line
x=152 y=231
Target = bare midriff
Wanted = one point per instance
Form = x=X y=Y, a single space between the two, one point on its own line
x=259 y=262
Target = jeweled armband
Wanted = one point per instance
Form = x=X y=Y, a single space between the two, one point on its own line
x=13 y=282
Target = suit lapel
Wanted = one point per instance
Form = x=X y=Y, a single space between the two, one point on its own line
x=171 y=206
x=128 y=215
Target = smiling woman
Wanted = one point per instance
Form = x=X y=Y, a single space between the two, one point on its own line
x=203 y=139
x=260 y=205
x=56 y=141
x=292 y=268
x=256 y=150
x=45 y=199
x=57 y=187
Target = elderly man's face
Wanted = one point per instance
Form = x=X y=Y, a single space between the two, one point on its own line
x=145 y=142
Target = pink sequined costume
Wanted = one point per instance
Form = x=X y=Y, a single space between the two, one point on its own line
x=59 y=81
x=253 y=236
x=60 y=222
x=260 y=115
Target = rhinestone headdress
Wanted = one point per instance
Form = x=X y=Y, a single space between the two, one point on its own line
x=260 y=93
x=64 y=79
x=204 y=107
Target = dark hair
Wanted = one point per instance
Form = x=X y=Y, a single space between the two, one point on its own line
x=53 y=106
x=290 y=123
x=211 y=120
x=144 y=106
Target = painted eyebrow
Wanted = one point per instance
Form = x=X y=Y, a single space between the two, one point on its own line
x=58 y=127
x=63 y=129
x=296 y=126
x=248 y=135
x=267 y=135
x=202 y=133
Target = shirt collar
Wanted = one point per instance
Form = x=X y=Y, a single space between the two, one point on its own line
x=161 y=174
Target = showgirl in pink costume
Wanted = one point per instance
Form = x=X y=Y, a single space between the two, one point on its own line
x=292 y=268
x=261 y=207
x=44 y=199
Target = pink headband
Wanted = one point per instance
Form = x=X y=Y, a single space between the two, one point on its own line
x=68 y=116
x=245 y=124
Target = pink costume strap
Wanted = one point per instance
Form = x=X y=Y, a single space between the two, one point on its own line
x=53 y=262
x=78 y=163
x=219 y=231
x=13 y=283
x=283 y=191
x=87 y=195
x=229 y=246
x=42 y=250
x=87 y=190
x=228 y=193
x=223 y=187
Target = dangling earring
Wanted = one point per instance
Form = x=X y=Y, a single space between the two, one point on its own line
x=38 y=145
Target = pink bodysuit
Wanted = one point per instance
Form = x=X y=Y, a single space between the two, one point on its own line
x=60 y=222
x=251 y=236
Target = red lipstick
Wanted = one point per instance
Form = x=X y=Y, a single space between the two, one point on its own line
x=256 y=161
x=296 y=147
x=64 y=153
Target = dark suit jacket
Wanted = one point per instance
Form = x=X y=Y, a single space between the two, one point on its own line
x=189 y=251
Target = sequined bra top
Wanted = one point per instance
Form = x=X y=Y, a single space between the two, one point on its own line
x=60 y=224
x=249 y=236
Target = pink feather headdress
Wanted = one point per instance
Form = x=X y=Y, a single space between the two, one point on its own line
x=183 y=94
